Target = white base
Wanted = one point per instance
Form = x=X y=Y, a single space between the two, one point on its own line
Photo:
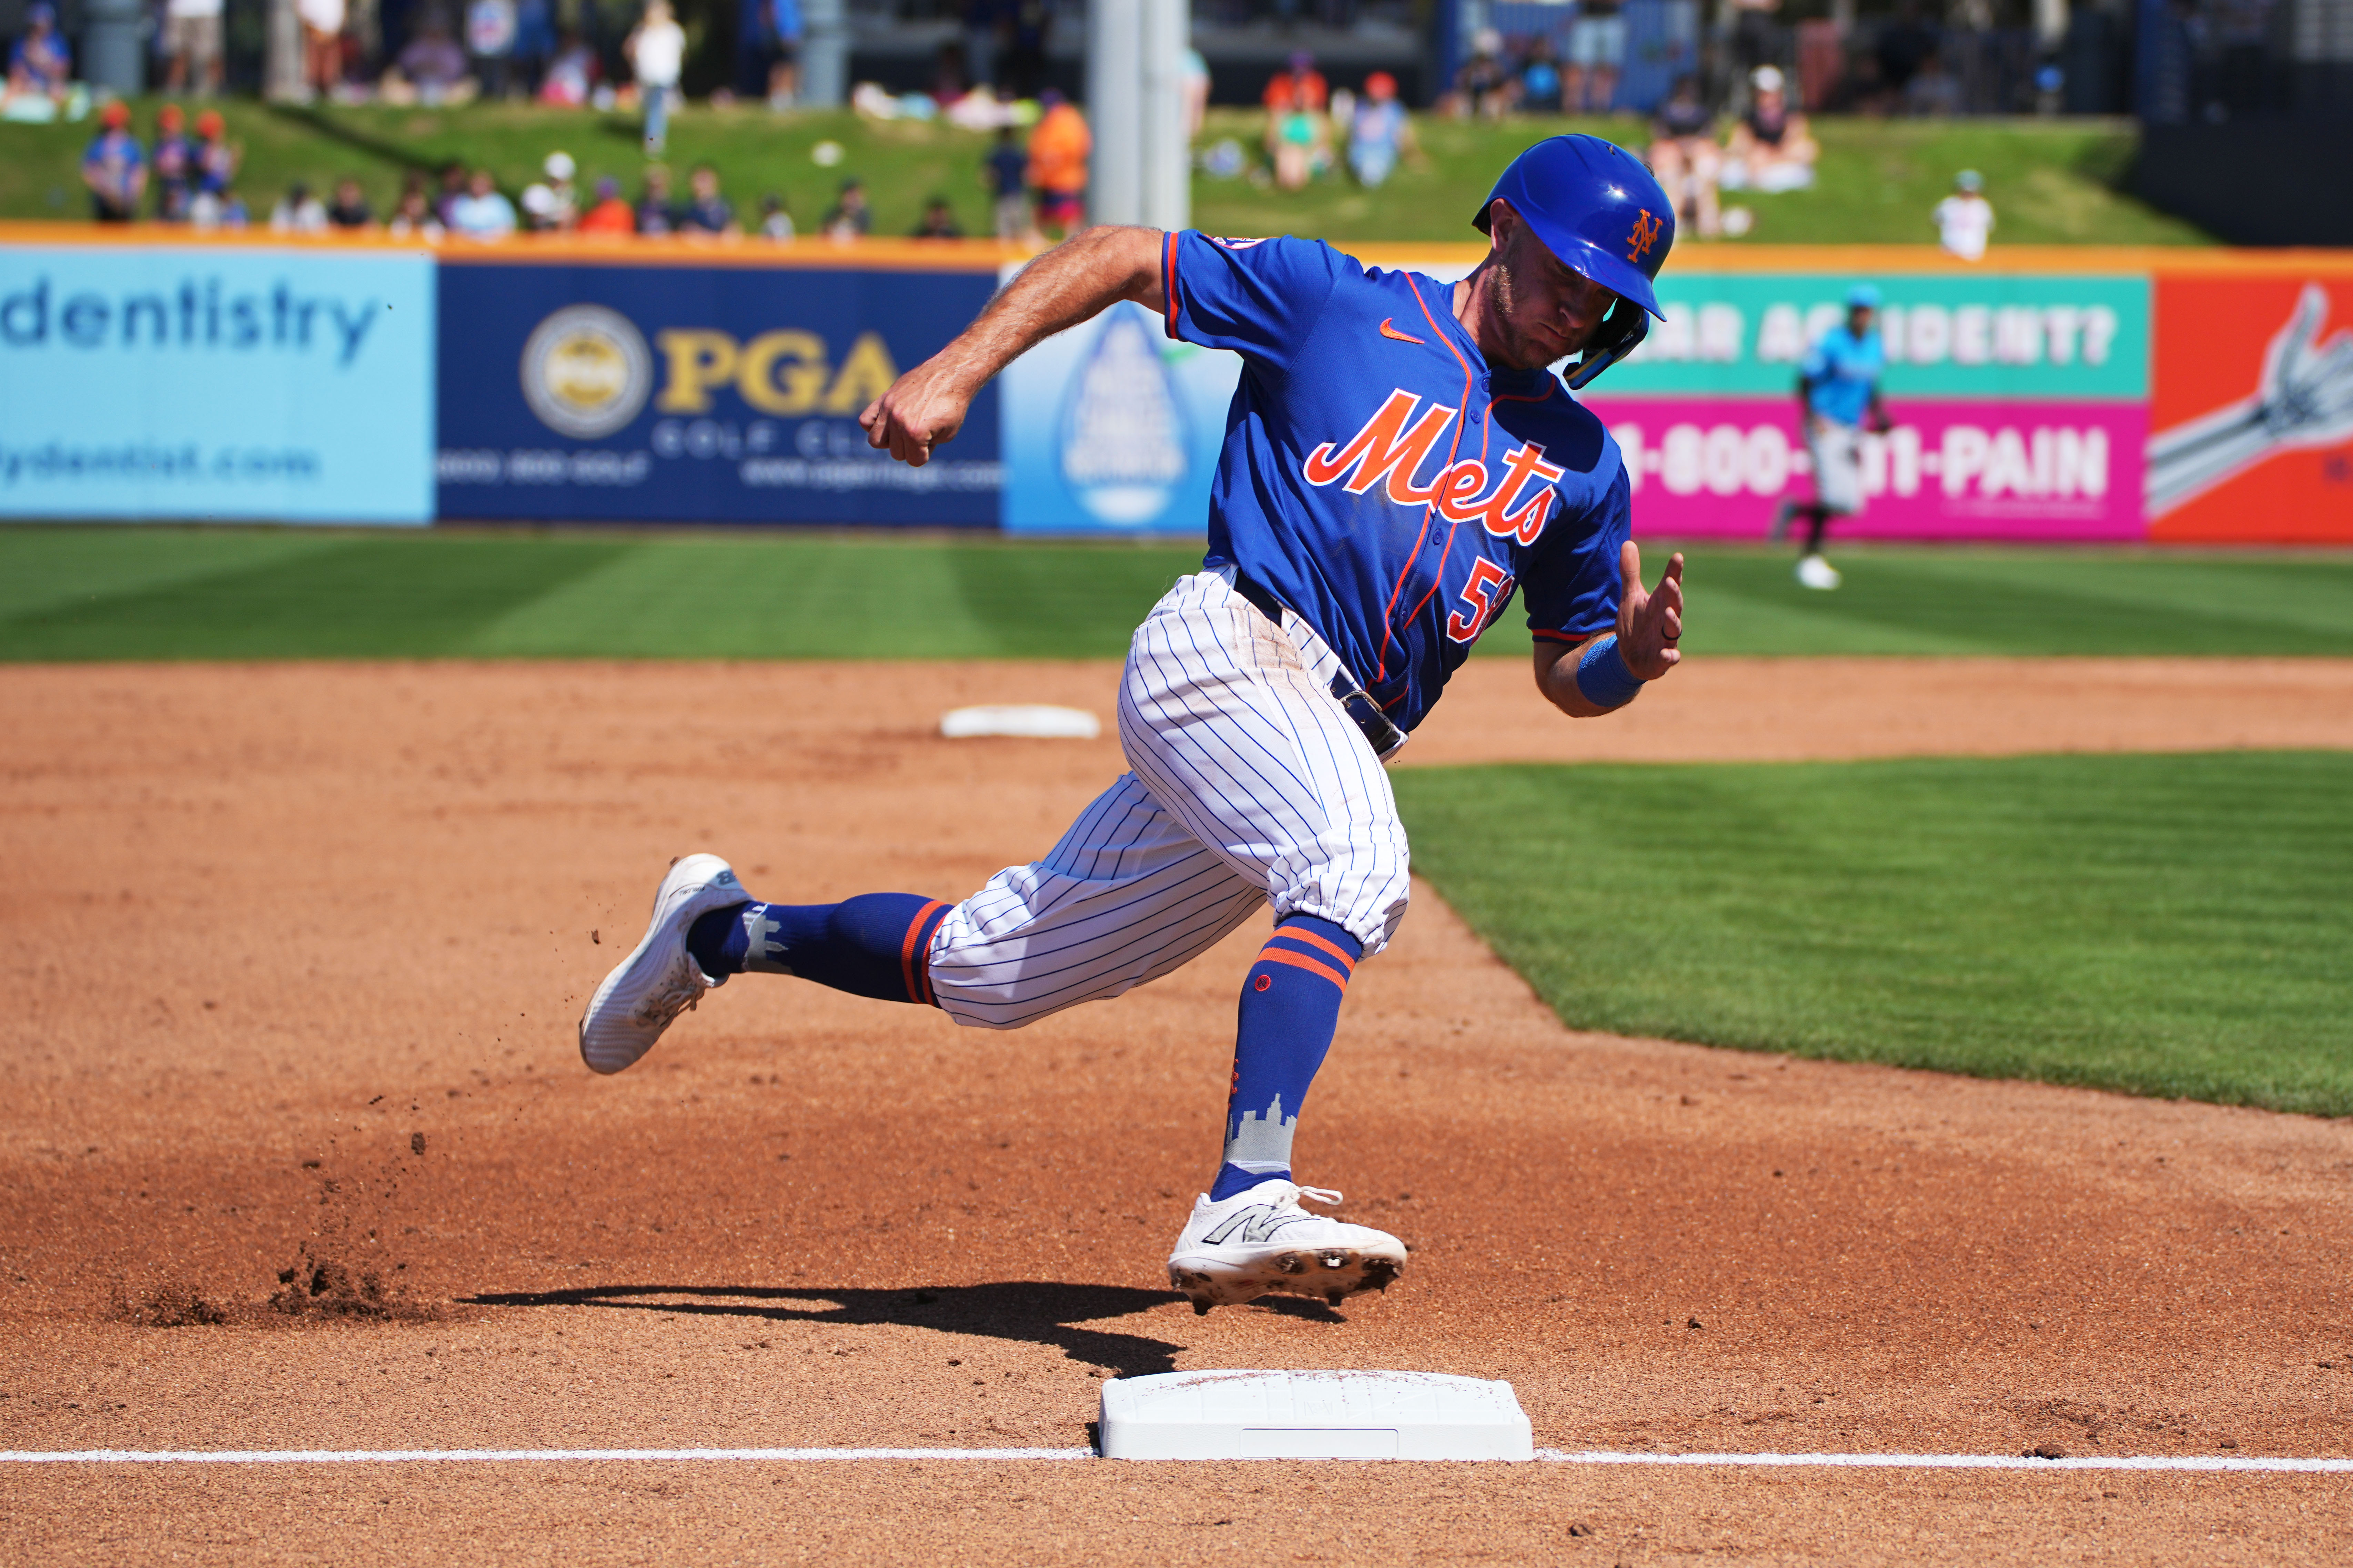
x=1030 y=721
x=1312 y=1416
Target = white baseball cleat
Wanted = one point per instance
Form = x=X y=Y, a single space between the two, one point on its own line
x=1261 y=1240
x=1813 y=572
x=660 y=980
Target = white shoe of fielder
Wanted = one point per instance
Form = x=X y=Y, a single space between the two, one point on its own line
x=1261 y=1240
x=660 y=980
x=1813 y=572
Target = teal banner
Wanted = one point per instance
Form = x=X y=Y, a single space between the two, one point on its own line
x=1970 y=334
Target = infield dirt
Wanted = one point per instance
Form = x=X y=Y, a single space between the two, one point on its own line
x=299 y=1152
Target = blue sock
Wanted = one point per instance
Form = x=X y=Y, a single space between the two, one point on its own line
x=876 y=944
x=1291 y=1005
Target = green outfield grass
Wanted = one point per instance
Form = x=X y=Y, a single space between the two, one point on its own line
x=2171 y=926
x=2052 y=182
x=110 y=592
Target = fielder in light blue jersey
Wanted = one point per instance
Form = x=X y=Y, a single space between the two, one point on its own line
x=1838 y=391
x=1398 y=463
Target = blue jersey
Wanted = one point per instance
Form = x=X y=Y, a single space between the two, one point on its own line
x=1841 y=371
x=1381 y=478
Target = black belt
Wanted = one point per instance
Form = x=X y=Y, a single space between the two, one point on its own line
x=1379 y=733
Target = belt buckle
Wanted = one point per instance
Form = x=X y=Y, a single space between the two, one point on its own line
x=1380 y=732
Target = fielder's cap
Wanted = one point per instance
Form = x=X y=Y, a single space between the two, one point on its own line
x=1596 y=208
x=1969 y=180
x=1766 y=79
x=1862 y=297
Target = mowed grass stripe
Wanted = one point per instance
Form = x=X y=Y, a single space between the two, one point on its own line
x=2175 y=926
x=113 y=592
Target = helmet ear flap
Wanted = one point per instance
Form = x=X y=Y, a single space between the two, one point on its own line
x=1626 y=325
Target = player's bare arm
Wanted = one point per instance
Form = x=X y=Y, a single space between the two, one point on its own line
x=1077 y=280
x=1649 y=623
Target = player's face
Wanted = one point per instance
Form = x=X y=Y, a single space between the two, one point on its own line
x=1546 y=311
x=1858 y=320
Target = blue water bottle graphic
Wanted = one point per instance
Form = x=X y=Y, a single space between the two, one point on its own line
x=1123 y=435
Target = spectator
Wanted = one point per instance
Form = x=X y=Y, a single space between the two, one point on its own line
x=655 y=51
x=1058 y=165
x=1772 y=150
x=1933 y=92
x=453 y=190
x=552 y=201
x=322 y=44
x=39 y=61
x=1484 y=85
x=534 y=43
x=298 y=213
x=1683 y=156
x=849 y=217
x=706 y=211
x=350 y=211
x=1965 y=219
x=217 y=157
x=1540 y=83
x=1195 y=75
x=571 y=75
x=192 y=42
x=1903 y=46
x=1298 y=144
x=222 y=208
x=115 y=167
x=483 y=213
x=1379 y=132
x=785 y=69
x=413 y=217
x=491 y=28
x=775 y=218
x=1006 y=172
x=1596 y=49
x=433 y=63
x=175 y=166
x=1300 y=87
x=938 y=222
x=610 y=213
x=656 y=215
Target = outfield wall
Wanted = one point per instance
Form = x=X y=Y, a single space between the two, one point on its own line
x=2051 y=395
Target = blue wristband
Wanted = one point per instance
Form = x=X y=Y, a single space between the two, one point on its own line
x=1603 y=677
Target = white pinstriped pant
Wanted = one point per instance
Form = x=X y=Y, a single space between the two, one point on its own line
x=1250 y=785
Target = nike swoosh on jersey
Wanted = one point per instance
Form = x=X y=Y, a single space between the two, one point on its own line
x=1390 y=331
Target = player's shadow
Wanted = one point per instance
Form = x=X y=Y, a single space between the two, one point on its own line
x=1034 y=1312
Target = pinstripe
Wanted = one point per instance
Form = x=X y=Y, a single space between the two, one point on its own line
x=1248 y=786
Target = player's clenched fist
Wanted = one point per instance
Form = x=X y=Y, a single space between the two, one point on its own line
x=924 y=408
x=1650 y=622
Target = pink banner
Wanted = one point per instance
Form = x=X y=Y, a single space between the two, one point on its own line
x=1951 y=468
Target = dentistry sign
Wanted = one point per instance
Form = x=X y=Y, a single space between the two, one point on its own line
x=205 y=382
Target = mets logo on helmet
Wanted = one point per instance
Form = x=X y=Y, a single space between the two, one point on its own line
x=1645 y=234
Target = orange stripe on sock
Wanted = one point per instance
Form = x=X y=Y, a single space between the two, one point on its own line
x=917 y=990
x=1300 y=961
x=1334 y=948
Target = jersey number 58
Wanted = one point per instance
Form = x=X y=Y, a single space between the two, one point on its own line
x=1485 y=594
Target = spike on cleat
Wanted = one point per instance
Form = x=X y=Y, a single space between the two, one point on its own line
x=1336 y=1297
x=1201 y=1308
x=1291 y=1263
x=1332 y=1259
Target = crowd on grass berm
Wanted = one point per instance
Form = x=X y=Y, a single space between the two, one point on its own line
x=1034 y=170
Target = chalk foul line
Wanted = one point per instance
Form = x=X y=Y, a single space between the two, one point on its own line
x=2195 y=1462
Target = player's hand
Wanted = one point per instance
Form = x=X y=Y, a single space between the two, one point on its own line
x=1650 y=622
x=924 y=408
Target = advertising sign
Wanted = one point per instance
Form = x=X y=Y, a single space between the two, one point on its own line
x=214 y=383
x=2020 y=402
x=685 y=393
x=1112 y=426
x=2252 y=416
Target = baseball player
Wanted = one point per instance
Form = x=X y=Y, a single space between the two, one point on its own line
x=1837 y=388
x=1399 y=462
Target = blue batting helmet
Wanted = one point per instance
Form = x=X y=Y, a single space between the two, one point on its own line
x=1600 y=212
